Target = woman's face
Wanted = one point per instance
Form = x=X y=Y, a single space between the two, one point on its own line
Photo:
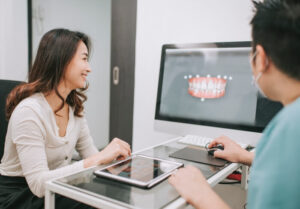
x=78 y=69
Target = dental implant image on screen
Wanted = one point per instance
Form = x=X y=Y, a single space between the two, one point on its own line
x=207 y=87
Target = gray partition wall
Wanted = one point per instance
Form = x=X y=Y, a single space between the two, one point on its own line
x=122 y=68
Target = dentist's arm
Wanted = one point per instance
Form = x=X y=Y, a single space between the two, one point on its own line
x=193 y=187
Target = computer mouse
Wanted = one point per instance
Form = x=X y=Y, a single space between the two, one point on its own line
x=212 y=150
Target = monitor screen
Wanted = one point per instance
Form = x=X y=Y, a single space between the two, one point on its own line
x=211 y=84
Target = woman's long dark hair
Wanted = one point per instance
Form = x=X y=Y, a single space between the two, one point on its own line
x=56 y=50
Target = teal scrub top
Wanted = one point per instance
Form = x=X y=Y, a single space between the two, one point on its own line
x=275 y=173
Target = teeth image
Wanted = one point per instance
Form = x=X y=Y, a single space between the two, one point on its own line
x=218 y=76
x=225 y=77
x=211 y=85
x=230 y=78
x=214 y=93
x=208 y=76
x=194 y=85
x=190 y=76
x=185 y=77
x=197 y=76
x=203 y=86
x=219 y=85
x=223 y=86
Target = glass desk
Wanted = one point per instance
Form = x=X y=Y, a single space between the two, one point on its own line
x=85 y=187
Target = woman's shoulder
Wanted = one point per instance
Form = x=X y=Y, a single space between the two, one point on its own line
x=34 y=103
x=33 y=100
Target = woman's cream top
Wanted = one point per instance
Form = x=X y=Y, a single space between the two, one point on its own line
x=34 y=149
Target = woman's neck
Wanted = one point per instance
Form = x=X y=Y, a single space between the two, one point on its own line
x=54 y=100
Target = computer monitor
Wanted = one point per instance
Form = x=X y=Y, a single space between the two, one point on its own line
x=207 y=89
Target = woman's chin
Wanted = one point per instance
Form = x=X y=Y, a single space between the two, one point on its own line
x=79 y=87
x=83 y=85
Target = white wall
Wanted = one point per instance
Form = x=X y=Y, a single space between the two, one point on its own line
x=92 y=17
x=13 y=40
x=177 y=21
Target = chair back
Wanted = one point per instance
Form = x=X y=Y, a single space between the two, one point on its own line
x=5 y=88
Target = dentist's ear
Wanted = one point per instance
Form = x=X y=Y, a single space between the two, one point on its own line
x=267 y=62
x=262 y=60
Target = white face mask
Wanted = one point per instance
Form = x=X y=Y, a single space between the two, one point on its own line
x=255 y=80
x=255 y=83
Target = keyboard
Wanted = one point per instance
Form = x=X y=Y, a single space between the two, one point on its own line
x=200 y=141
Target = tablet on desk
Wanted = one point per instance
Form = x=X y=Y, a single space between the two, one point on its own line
x=139 y=170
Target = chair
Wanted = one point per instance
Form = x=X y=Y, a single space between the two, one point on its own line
x=5 y=88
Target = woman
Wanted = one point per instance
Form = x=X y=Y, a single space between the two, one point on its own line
x=274 y=177
x=46 y=124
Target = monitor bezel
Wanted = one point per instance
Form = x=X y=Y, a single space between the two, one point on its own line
x=193 y=121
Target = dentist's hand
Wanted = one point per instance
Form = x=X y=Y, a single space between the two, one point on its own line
x=232 y=151
x=190 y=184
x=193 y=187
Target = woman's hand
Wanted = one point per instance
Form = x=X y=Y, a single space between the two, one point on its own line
x=116 y=149
x=193 y=187
x=232 y=151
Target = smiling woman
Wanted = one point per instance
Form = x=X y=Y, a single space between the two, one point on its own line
x=46 y=124
x=78 y=69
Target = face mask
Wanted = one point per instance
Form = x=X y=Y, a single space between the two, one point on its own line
x=255 y=80
x=255 y=83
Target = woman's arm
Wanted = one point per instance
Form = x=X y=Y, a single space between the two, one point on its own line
x=86 y=148
x=28 y=134
x=117 y=149
x=85 y=144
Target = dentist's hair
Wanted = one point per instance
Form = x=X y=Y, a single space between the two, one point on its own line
x=276 y=27
x=56 y=49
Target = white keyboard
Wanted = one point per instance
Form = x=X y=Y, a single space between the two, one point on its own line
x=200 y=141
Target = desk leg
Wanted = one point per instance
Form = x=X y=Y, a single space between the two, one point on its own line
x=244 y=181
x=49 y=199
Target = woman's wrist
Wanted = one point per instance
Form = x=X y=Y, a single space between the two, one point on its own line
x=87 y=163
x=91 y=161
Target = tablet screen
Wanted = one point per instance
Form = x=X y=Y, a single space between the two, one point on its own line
x=141 y=168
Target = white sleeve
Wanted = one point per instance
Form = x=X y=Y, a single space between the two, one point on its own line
x=85 y=144
x=29 y=137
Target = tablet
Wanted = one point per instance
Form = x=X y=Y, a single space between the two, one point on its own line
x=139 y=170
